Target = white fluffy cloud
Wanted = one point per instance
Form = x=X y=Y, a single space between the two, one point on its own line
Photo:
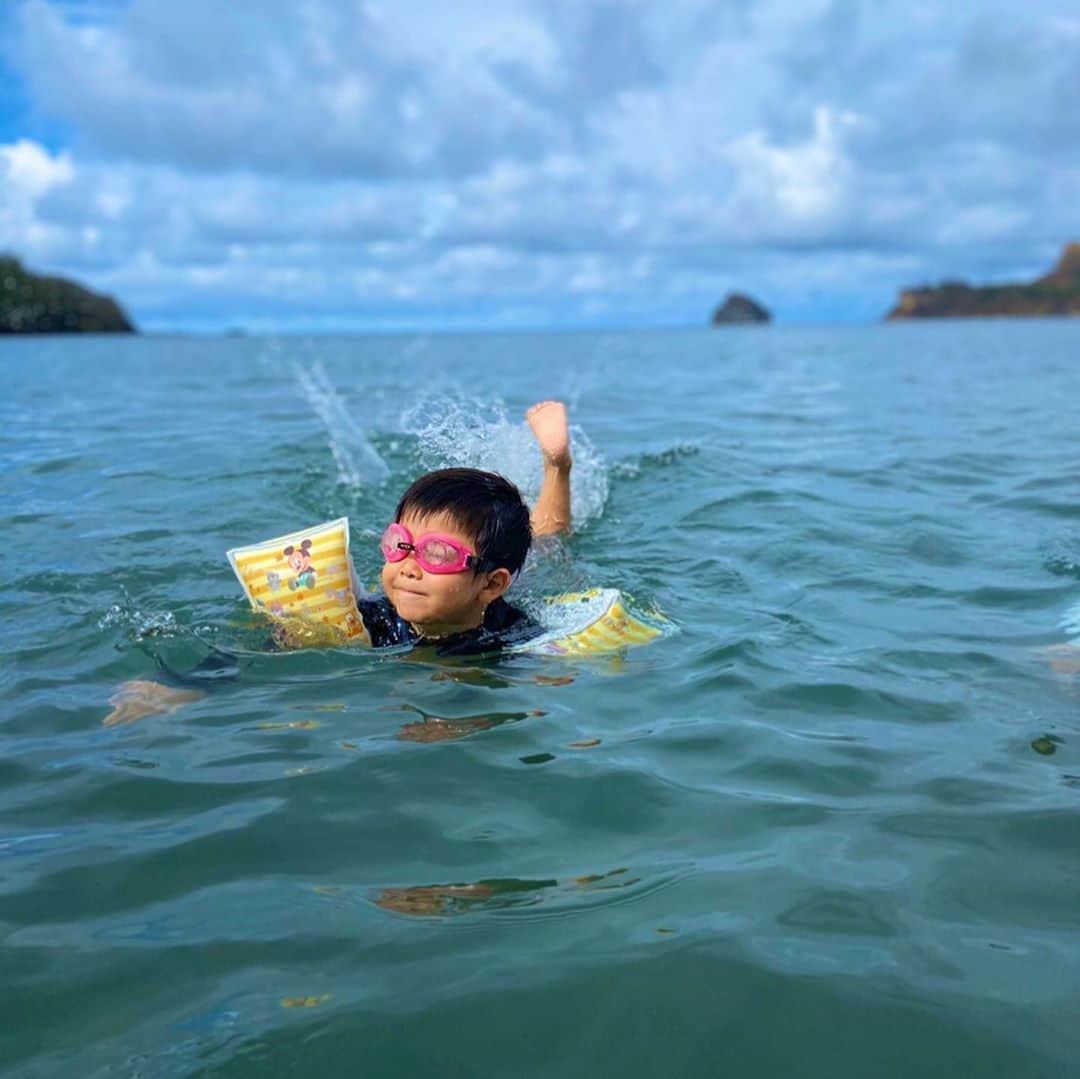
x=27 y=173
x=337 y=160
x=29 y=170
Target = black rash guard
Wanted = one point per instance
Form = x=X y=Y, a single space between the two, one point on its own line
x=503 y=625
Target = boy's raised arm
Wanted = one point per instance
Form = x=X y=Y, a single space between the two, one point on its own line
x=551 y=514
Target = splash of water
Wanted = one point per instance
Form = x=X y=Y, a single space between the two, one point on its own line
x=1070 y=622
x=139 y=624
x=357 y=461
x=455 y=430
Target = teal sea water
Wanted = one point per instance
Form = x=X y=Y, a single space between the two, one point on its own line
x=828 y=827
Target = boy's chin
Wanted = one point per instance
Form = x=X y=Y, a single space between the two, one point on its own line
x=410 y=609
x=422 y=618
x=418 y=611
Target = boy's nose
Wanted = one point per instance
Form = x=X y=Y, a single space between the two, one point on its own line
x=411 y=566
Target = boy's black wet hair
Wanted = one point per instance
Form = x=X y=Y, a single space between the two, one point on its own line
x=484 y=505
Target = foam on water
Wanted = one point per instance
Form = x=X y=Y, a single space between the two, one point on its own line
x=561 y=619
x=357 y=461
x=461 y=431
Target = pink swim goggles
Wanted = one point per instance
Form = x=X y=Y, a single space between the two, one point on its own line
x=435 y=552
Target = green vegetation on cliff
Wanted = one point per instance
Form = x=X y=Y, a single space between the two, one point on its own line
x=33 y=304
x=1058 y=293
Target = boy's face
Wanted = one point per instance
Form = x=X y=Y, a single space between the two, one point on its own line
x=440 y=603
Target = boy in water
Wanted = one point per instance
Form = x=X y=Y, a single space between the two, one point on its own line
x=458 y=538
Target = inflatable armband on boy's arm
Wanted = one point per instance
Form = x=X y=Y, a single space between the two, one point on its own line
x=305 y=582
x=594 y=623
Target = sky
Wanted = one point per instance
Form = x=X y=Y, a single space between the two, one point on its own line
x=339 y=165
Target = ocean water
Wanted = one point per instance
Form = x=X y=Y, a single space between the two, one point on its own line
x=830 y=826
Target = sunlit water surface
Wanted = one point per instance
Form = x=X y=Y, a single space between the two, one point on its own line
x=827 y=827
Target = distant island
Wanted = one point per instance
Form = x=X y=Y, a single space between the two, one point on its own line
x=1058 y=293
x=738 y=307
x=30 y=303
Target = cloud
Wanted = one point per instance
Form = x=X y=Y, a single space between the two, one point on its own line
x=337 y=156
x=344 y=89
x=27 y=173
x=804 y=185
x=29 y=170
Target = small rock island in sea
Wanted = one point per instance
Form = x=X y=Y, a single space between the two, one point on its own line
x=1057 y=293
x=740 y=308
x=33 y=304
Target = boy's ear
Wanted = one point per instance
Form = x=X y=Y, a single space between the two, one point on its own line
x=498 y=581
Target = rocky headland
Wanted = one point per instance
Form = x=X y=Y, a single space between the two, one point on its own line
x=30 y=303
x=737 y=308
x=1057 y=293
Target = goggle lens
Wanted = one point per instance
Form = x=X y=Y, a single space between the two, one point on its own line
x=394 y=535
x=437 y=552
x=434 y=553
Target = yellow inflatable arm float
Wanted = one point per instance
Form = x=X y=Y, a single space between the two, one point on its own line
x=304 y=579
x=593 y=623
